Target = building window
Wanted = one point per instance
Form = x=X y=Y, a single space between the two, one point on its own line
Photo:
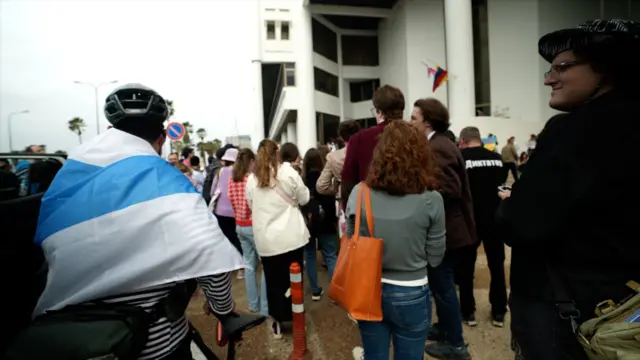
x=360 y=50
x=325 y=82
x=482 y=68
x=271 y=30
x=366 y=123
x=325 y=41
x=290 y=74
x=284 y=30
x=363 y=90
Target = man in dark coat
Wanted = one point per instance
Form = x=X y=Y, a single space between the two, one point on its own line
x=432 y=118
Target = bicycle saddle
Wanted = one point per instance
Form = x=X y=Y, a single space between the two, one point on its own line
x=234 y=325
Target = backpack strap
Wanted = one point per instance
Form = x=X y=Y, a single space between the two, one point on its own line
x=565 y=305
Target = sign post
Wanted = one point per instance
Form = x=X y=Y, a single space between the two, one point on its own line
x=175 y=131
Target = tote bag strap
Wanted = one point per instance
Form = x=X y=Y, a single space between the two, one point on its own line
x=367 y=209
x=363 y=191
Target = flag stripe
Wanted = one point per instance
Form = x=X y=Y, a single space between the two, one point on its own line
x=145 y=178
x=168 y=239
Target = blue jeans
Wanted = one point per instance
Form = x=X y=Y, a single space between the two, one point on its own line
x=441 y=280
x=327 y=244
x=406 y=320
x=250 y=256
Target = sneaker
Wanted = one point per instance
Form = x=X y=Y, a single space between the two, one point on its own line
x=240 y=274
x=277 y=330
x=435 y=334
x=470 y=320
x=446 y=351
x=358 y=353
x=317 y=296
x=498 y=320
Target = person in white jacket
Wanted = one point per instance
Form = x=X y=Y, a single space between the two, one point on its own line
x=274 y=192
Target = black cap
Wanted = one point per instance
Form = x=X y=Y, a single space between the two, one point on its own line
x=589 y=33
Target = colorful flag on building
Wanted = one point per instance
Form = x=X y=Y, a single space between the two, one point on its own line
x=441 y=76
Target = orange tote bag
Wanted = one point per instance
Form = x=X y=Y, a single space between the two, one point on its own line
x=356 y=285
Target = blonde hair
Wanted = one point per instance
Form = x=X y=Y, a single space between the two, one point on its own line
x=266 y=163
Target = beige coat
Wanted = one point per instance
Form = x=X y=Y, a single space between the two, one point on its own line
x=329 y=181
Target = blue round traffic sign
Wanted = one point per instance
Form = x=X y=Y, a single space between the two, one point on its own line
x=175 y=131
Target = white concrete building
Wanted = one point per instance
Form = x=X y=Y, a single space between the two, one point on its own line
x=317 y=62
x=241 y=141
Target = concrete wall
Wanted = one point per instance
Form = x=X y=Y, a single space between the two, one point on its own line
x=425 y=45
x=392 y=45
x=410 y=41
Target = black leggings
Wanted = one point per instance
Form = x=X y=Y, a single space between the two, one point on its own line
x=276 y=273
x=228 y=227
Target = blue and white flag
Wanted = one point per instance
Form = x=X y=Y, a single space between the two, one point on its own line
x=118 y=218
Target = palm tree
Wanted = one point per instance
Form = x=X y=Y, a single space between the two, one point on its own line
x=202 y=133
x=172 y=110
x=217 y=144
x=77 y=125
x=210 y=147
x=188 y=130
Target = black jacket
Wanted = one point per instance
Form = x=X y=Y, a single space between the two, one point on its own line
x=576 y=206
x=321 y=223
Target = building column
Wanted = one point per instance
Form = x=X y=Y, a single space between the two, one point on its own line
x=459 y=49
x=292 y=133
x=340 y=79
x=306 y=121
x=256 y=67
x=284 y=138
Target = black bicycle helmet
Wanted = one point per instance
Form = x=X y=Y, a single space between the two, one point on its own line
x=135 y=101
x=607 y=34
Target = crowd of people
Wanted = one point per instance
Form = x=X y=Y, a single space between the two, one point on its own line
x=435 y=199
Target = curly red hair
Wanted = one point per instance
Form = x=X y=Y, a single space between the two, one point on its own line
x=402 y=161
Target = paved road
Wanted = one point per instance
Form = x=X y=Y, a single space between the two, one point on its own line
x=332 y=336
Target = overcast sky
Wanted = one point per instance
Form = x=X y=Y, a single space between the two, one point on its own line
x=195 y=52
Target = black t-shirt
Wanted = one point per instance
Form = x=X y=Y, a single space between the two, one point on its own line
x=485 y=172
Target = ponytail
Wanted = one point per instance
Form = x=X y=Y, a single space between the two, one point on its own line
x=266 y=162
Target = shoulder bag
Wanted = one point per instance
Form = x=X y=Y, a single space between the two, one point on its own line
x=96 y=330
x=614 y=334
x=356 y=285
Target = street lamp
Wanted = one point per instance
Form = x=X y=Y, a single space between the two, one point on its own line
x=202 y=133
x=9 y=126
x=95 y=87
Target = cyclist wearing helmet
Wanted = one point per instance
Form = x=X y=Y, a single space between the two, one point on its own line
x=113 y=229
x=571 y=219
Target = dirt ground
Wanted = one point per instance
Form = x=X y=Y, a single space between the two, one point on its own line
x=332 y=336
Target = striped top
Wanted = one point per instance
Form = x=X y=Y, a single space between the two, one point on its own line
x=165 y=336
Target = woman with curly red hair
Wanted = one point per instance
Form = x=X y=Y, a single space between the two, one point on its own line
x=409 y=217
